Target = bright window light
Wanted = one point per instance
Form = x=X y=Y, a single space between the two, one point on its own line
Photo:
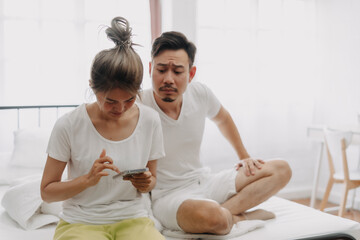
x=48 y=46
x=258 y=57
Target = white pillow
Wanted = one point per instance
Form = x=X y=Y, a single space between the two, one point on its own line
x=30 y=147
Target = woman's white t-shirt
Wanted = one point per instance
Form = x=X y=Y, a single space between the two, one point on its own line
x=76 y=141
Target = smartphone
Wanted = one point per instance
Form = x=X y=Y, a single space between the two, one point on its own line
x=130 y=172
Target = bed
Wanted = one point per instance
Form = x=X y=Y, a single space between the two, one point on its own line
x=28 y=140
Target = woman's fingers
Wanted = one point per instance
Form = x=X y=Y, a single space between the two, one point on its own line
x=98 y=167
x=110 y=166
x=104 y=159
x=103 y=153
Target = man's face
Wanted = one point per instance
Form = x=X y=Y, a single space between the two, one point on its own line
x=170 y=75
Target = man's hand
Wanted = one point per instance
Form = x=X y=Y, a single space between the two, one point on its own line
x=141 y=181
x=250 y=165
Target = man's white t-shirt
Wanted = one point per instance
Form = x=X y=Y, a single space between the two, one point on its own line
x=76 y=141
x=182 y=138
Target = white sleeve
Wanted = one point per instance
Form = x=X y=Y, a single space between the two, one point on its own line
x=59 y=142
x=212 y=103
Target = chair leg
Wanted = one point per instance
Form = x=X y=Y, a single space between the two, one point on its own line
x=353 y=198
x=327 y=193
x=343 y=201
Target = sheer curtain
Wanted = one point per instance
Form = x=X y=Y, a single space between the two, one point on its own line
x=279 y=66
x=47 y=46
x=260 y=57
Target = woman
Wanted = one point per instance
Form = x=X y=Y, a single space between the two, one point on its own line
x=99 y=140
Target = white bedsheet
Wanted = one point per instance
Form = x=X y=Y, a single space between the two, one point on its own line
x=293 y=221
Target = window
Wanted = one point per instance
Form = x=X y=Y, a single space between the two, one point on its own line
x=258 y=45
x=259 y=57
x=47 y=46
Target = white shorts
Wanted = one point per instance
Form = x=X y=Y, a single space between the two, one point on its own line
x=212 y=187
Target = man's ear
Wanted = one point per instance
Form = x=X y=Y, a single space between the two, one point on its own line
x=192 y=73
x=150 y=69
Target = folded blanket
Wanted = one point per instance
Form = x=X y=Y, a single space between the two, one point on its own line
x=238 y=229
x=23 y=203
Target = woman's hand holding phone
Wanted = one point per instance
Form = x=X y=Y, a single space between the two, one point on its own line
x=141 y=181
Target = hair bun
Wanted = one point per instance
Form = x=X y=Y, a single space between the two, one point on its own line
x=120 y=32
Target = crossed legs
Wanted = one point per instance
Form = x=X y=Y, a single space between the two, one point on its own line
x=201 y=216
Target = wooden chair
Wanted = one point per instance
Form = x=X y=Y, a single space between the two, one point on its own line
x=336 y=143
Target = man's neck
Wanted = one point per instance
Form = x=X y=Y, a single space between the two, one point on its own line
x=171 y=109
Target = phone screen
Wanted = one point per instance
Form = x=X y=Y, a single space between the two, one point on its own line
x=130 y=172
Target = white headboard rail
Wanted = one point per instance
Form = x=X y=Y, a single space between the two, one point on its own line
x=39 y=107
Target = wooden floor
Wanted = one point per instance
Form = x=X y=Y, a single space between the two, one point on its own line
x=350 y=214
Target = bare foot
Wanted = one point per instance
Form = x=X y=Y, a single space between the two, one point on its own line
x=258 y=214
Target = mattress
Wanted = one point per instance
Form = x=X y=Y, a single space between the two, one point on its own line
x=293 y=221
x=296 y=221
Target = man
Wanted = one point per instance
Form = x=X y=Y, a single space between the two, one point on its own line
x=187 y=196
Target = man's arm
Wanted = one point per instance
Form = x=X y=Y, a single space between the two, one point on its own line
x=227 y=127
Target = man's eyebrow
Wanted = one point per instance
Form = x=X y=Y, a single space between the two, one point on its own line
x=167 y=65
